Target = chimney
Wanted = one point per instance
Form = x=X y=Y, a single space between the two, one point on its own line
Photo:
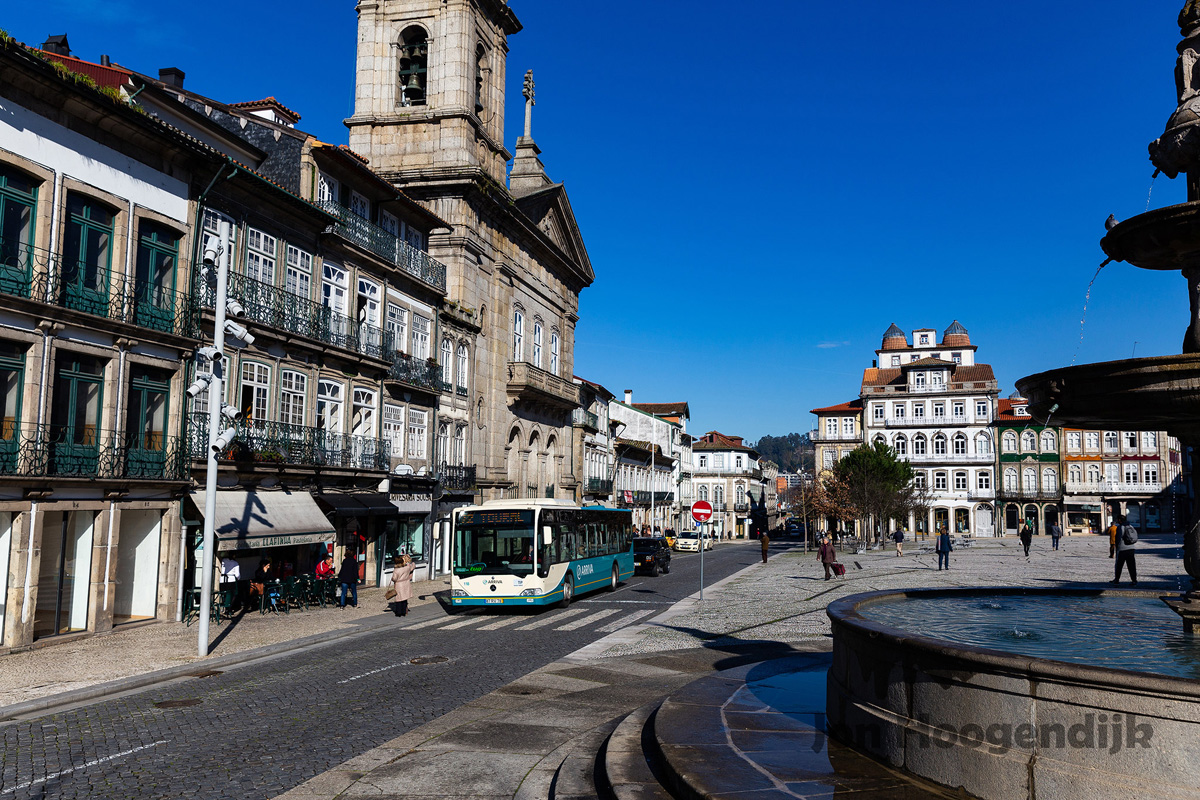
x=874 y=363
x=171 y=76
x=629 y=397
x=105 y=61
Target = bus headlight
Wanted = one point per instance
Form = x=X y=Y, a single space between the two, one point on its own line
x=530 y=593
x=458 y=593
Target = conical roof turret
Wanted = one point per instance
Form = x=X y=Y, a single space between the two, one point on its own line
x=956 y=336
x=894 y=339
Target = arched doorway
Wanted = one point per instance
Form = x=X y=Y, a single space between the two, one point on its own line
x=1031 y=516
x=1011 y=518
x=985 y=520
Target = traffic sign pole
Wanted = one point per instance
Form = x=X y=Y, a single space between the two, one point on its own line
x=701 y=513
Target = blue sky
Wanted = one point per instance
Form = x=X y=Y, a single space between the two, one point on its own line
x=760 y=200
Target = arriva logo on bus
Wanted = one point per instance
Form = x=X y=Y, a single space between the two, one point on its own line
x=586 y=569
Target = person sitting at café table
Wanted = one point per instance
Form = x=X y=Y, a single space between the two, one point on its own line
x=325 y=568
x=261 y=576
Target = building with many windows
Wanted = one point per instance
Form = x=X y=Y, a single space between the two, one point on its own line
x=933 y=404
x=663 y=425
x=1028 y=469
x=594 y=443
x=727 y=474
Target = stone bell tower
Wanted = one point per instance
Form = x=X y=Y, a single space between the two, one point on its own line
x=429 y=99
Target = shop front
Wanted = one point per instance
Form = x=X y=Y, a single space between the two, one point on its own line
x=362 y=521
x=409 y=533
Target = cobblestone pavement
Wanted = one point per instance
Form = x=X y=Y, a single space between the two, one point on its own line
x=256 y=731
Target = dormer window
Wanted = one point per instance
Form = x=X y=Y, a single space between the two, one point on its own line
x=413 y=72
x=924 y=338
x=956 y=358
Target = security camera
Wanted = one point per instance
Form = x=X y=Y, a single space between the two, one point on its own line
x=211 y=353
x=201 y=383
x=223 y=441
x=231 y=413
x=238 y=332
x=212 y=249
x=234 y=309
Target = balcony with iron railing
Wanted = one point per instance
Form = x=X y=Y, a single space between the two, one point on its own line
x=461 y=391
x=386 y=245
x=1113 y=487
x=741 y=508
x=599 y=486
x=826 y=436
x=456 y=477
x=269 y=442
x=929 y=422
x=527 y=382
x=278 y=308
x=718 y=507
x=1021 y=493
x=61 y=451
x=664 y=498
x=949 y=458
x=981 y=494
x=582 y=418
x=42 y=276
x=415 y=372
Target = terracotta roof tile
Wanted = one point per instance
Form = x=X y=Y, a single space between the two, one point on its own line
x=854 y=405
x=664 y=409
x=267 y=102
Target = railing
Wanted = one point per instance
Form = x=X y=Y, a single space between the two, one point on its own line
x=1015 y=493
x=582 y=418
x=58 y=451
x=981 y=494
x=741 y=508
x=445 y=386
x=270 y=442
x=664 y=498
x=753 y=473
x=457 y=477
x=531 y=492
x=524 y=378
x=40 y=275
x=1113 y=487
x=836 y=437
x=386 y=245
x=278 y=308
x=599 y=486
x=917 y=422
x=461 y=391
x=974 y=458
x=415 y=372
x=718 y=507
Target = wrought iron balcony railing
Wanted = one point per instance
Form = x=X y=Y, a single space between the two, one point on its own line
x=270 y=442
x=62 y=451
x=386 y=245
x=664 y=498
x=457 y=477
x=36 y=274
x=461 y=391
x=415 y=372
x=1113 y=487
x=599 y=486
x=718 y=507
x=741 y=508
x=1017 y=493
x=582 y=418
x=282 y=310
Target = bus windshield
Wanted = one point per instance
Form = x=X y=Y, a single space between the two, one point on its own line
x=494 y=543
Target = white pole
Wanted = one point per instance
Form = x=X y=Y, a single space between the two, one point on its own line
x=216 y=397
x=652 y=487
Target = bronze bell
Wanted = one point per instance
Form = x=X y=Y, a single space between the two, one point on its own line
x=414 y=83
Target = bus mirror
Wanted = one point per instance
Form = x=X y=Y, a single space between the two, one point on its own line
x=547 y=535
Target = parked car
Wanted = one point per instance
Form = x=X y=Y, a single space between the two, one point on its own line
x=651 y=554
x=669 y=535
x=710 y=541
x=687 y=542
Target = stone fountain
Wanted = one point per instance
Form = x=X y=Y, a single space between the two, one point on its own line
x=1163 y=392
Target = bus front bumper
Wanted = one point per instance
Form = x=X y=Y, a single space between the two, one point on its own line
x=540 y=599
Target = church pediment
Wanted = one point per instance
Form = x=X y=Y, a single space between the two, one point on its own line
x=550 y=211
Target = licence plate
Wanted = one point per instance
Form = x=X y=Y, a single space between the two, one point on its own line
x=498 y=600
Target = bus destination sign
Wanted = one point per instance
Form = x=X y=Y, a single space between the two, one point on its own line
x=496 y=518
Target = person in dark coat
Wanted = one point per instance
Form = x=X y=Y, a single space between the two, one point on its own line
x=1026 y=536
x=1055 y=533
x=1126 y=551
x=348 y=577
x=766 y=541
x=944 y=546
x=828 y=556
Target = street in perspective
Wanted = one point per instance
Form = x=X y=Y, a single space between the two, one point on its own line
x=320 y=473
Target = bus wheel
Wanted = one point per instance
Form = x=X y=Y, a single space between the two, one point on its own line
x=616 y=578
x=568 y=591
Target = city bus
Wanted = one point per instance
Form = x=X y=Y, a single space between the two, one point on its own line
x=537 y=552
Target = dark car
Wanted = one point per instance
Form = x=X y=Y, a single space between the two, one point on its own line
x=651 y=554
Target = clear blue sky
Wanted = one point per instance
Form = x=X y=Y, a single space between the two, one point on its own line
x=761 y=199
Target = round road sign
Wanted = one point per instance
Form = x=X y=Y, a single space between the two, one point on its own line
x=701 y=511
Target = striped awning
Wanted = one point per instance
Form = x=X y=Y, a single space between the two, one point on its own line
x=250 y=520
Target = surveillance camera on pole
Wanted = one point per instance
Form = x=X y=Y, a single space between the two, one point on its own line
x=199 y=385
x=222 y=442
x=238 y=332
x=234 y=309
x=211 y=353
x=212 y=250
x=231 y=413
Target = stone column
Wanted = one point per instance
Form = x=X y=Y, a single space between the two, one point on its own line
x=23 y=566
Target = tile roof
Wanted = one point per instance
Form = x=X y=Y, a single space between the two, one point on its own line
x=664 y=409
x=105 y=77
x=361 y=163
x=648 y=448
x=893 y=376
x=928 y=362
x=603 y=392
x=714 y=440
x=853 y=405
x=267 y=102
x=1004 y=411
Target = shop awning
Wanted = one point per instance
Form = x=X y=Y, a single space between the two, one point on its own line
x=251 y=520
x=359 y=504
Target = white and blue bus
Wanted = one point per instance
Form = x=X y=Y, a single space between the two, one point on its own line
x=537 y=552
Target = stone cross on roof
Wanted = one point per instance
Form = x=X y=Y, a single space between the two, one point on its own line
x=529 y=103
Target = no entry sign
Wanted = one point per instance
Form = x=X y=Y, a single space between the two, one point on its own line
x=701 y=511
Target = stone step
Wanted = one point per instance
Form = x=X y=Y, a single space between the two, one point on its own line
x=630 y=758
x=568 y=772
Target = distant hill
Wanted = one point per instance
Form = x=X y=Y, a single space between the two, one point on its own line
x=793 y=452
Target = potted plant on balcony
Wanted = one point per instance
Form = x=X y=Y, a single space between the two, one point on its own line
x=269 y=456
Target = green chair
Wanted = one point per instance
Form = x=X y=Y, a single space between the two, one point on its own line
x=191 y=607
x=272 y=598
x=293 y=594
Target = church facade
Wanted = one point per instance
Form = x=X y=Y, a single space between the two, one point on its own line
x=429 y=116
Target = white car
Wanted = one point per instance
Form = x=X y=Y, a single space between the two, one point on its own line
x=709 y=541
x=687 y=542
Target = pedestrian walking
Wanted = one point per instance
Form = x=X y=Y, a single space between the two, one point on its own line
x=828 y=556
x=943 y=548
x=1055 y=534
x=898 y=538
x=1127 y=537
x=765 y=541
x=400 y=592
x=1112 y=539
x=1026 y=536
x=348 y=577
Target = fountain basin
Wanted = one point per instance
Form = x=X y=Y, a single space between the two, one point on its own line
x=1165 y=238
x=1003 y=725
x=1148 y=394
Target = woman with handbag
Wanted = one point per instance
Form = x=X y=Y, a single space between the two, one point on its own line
x=400 y=592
